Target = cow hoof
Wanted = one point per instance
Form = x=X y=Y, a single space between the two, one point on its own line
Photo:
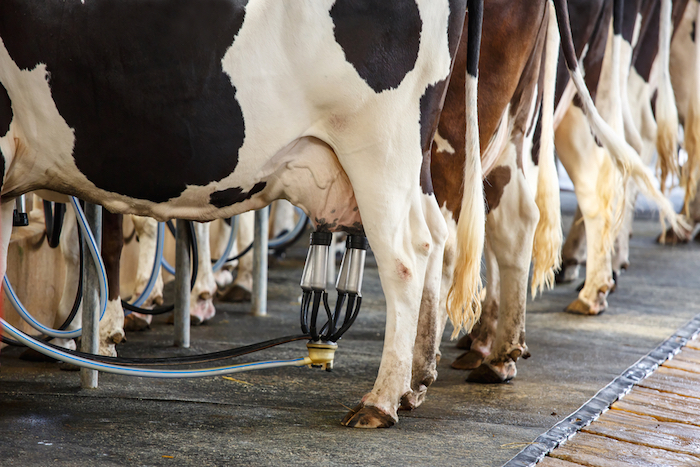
x=368 y=417
x=464 y=342
x=235 y=294
x=31 y=355
x=468 y=361
x=133 y=323
x=579 y=307
x=672 y=238
x=487 y=374
x=413 y=400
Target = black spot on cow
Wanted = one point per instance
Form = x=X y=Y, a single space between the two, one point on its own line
x=231 y=196
x=2 y=170
x=379 y=38
x=433 y=98
x=430 y=107
x=5 y=120
x=692 y=33
x=141 y=84
x=5 y=111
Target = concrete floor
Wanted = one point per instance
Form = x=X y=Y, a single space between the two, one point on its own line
x=291 y=416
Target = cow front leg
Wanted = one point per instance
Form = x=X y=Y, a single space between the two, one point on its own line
x=431 y=320
x=510 y=229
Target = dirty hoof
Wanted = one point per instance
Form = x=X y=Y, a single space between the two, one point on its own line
x=468 y=361
x=579 y=307
x=487 y=374
x=136 y=323
x=368 y=417
x=31 y=355
x=413 y=400
x=672 y=238
x=234 y=294
x=464 y=342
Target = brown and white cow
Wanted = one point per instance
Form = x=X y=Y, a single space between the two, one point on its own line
x=515 y=104
x=638 y=40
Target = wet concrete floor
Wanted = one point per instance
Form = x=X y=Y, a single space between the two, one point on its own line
x=292 y=416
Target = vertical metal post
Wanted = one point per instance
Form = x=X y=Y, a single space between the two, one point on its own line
x=89 y=341
x=331 y=262
x=259 y=296
x=182 y=285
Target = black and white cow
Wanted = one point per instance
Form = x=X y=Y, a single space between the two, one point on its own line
x=206 y=109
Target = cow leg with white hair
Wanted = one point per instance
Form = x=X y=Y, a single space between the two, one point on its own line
x=240 y=288
x=146 y=230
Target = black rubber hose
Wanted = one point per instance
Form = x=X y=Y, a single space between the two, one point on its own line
x=76 y=302
x=53 y=220
x=190 y=359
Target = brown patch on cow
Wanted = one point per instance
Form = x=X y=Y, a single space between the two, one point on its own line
x=403 y=271
x=510 y=32
x=494 y=184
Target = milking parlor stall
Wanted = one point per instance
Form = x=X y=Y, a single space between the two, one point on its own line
x=237 y=232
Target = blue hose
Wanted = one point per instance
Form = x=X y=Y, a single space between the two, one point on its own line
x=101 y=276
x=144 y=372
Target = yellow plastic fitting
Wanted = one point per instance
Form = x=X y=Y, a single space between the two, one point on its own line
x=321 y=354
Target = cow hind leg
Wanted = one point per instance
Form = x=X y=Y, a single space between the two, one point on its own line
x=510 y=228
x=594 y=181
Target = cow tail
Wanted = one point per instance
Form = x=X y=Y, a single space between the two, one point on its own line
x=463 y=299
x=623 y=156
x=666 y=111
x=546 y=250
x=691 y=168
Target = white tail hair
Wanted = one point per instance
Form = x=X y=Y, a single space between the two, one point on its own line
x=546 y=250
x=464 y=297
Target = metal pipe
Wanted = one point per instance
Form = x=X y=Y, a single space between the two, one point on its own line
x=260 y=246
x=91 y=322
x=182 y=286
